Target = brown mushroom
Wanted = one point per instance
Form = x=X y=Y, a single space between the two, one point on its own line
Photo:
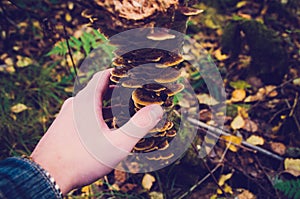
x=160 y=36
x=144 y=97
x=114 y=79
x=144 y=144
x=168 y=76
x=171 y=133
x=154 y=87
x=173 y=89
x=159 y=128
x=188 y=11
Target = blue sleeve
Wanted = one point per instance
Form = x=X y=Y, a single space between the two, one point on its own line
x=22 y=178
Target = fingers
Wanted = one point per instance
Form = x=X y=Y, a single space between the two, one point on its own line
x=88 y=102
x=138 y=126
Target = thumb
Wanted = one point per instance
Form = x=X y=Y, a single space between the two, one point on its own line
x=139 y=125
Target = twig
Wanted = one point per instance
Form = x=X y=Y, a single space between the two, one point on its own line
x=211 y=172
x=71 y=57
x=291 y=114
x=218 y=132
x=265 y=173
x=199 y=182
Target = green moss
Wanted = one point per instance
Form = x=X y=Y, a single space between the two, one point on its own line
x=268 y=57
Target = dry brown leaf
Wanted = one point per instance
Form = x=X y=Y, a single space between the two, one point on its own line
x=128 y=187
x=238 y=122
x=238 y=95
x=18 y=108
x=255 y=140
x=270 y=91
x=278 y=147
x=147 y=181
x=250 y=126
x=232 y=141
x=120 y=176
x=292 y=166
x=246 y=195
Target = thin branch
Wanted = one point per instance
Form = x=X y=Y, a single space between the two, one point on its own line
x=71 y=57
x=218 y=132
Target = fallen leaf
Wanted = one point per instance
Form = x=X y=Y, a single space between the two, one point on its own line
x=241 y=4
x=232 y=141
x=18 y=108
x=86 y=190
x=218 y=54
x=292 y=166
x=156 y=195
x=128 y=187
x=242 y=112
x=238 y=95
x=207 y=99
x=296 y=81
x=120 y=176
x=147 y=181
x=250 y=126
x=240 y=84
x=224 y=178
x=23 y=61
x=69 y=89
x=255 y=140
x=238 y=122
x=270 y=91
x=246 y=195
x=278 y=147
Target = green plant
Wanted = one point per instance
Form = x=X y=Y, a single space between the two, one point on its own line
x=86 y=43
x=290 y=188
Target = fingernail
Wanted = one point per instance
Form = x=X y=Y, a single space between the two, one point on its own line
x=156 y=112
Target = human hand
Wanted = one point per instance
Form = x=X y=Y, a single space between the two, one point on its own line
x=63 y=153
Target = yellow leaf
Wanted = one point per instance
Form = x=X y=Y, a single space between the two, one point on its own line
x=238 y=95
x=86 y=190
x=241 y=4
x=255 y=140
x=69 y=89
x=292 y=166
x=219 y=55
x=215 y=196
x=18 y=108
x=147 y=181
x=9 y=61
x=23 y=61
x=242 y=112
x=232 y=139
x=296 y=82
x=224 y=178
x=68 y=17
x=228 y=189
x=237 y=123
x=156 y=195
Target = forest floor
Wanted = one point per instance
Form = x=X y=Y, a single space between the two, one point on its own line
x=256 y=47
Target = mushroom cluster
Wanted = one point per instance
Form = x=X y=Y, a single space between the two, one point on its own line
x=144 y=75
x=151 y=80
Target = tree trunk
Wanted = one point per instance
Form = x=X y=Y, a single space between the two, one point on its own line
x=145 y=75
